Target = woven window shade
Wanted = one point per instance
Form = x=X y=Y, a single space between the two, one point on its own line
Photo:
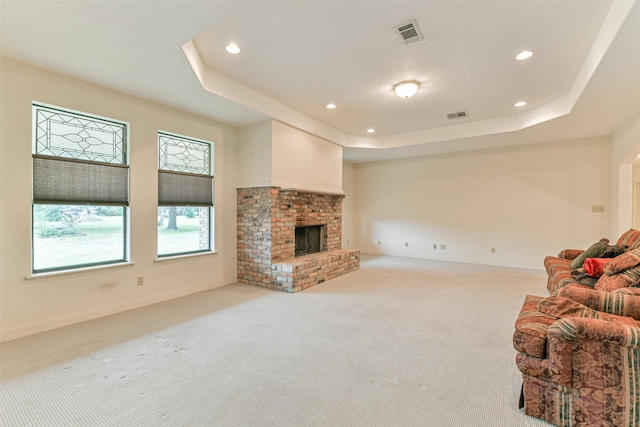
x=182 y=189
x=58 y=180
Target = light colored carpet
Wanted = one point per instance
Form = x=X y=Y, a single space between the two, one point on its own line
x=401 y=342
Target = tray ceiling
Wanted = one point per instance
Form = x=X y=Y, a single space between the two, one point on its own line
x=297 y=57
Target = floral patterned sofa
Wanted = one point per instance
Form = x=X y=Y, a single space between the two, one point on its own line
x=579 y=349
x=559 y=267
x=579 y=355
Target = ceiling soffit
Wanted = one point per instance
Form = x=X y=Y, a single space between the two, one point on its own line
x=218 y=74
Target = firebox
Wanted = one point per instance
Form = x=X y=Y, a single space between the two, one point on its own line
x=308 y=240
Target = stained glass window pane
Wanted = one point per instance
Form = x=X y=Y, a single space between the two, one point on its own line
x=70 y=135
x=184 y=155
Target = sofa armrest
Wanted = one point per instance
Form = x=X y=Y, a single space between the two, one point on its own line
x=577 y=329
x=570 y=254
x=561 y=307
x=622 y=302
x=603 y=361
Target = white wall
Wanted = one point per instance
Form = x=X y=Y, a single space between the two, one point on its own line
x=635 y=200
x=625 y=149
x=526 y=202
x=348 y=206
x=271 y=153
x=30 y=306
x=254 y=155
x=304 y=161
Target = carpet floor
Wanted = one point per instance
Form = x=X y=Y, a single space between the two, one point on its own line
x=400 y=342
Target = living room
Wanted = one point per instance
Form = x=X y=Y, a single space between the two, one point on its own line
x=503 y=200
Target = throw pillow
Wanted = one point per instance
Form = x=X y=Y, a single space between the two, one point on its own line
x=620 y=263
x=595 y=266
x=582 y=277
x=594 y=251
x=614 y=251
x=623 y=279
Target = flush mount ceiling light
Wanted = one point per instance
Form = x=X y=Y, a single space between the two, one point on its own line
x=406 y=89
x=373 y=130
x=232 y=48
x=331 y=106
x=520 y=104
x=524 y=55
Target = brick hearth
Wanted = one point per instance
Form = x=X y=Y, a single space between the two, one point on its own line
x=267 y=217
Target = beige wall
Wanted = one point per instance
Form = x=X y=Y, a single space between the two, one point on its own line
x=304 y=161
x=526 y=202
x=254 y=155
x=29 y=306
x=348 y=206
x=625 y=149
x=271 y=153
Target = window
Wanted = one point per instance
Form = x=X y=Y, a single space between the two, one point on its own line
x=185 y=195
x=80 y=190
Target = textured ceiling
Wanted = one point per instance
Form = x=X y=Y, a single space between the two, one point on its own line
x=308 y=55
x=584 y=79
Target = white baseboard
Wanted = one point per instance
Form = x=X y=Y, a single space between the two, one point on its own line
x=497 y=263
x=58 y=322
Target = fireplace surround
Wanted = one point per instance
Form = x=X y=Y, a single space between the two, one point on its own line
x=267 y=221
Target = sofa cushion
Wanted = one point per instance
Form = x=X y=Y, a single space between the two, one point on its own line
x=635 y=291
x=593 y=251
x=551 y=263
x=570 y=254
x=630 y=238
x=530 y=336
x=558 y=272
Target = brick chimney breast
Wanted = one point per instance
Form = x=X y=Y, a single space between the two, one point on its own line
x=267 y=219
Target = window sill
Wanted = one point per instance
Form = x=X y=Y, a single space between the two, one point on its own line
x=76 y=270
x=174 y=257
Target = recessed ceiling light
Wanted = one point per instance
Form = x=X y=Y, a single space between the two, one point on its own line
x=371 y=130
x=524 y=55
x=520 y=104
x=232 y=48
x=331 y=106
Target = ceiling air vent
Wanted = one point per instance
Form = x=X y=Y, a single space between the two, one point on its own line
x=409 y=32
x=457 y=115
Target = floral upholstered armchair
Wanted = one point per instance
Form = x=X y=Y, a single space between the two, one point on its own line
x=580 y=366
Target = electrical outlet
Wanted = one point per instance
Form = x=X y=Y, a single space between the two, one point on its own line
x=443 y=247
x=140 y=281
x=597 y=208
x=406 y=244
x=378 y=242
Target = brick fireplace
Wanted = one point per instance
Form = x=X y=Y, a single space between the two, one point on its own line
x=267 y=221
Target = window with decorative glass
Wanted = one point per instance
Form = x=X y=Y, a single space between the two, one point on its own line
x=80 y=190
x=185 y=195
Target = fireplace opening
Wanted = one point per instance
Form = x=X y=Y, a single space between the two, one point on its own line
x=308 y=240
